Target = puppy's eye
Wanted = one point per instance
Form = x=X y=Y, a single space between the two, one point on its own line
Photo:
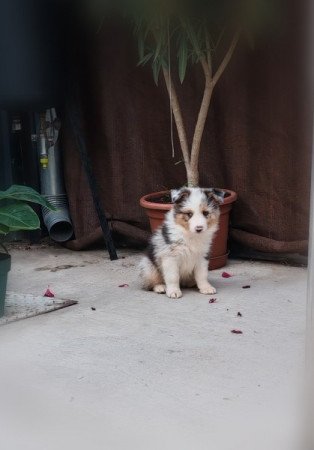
x=205 y=213
x=189 y=214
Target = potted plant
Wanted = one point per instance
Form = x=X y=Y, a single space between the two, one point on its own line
x=16 y=215
x=173 y=35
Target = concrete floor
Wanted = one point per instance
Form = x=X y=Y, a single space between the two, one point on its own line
x=146 y=372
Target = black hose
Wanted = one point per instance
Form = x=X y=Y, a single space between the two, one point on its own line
x=74 y=115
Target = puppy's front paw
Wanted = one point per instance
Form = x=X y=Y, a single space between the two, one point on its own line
x=160 y=289
x=174 y=293
x=208 y=290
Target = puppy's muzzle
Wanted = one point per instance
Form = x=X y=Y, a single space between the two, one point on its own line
x=199 y=229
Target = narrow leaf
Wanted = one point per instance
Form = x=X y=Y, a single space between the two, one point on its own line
x=156 y=66
x=182 y=59
x=159 y=45
x=145 y=60
x=141 y=46
x=192 y=35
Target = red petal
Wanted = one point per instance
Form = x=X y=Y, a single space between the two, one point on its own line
x=236 y=331
x=226 y=275
x=213 y=300
x=124 y=285
x=48 y=293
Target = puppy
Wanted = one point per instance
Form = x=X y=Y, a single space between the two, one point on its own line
x=178 y=252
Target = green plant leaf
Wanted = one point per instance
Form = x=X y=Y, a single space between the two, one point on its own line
x=18 y=216
x=26 y=194
x=183 y=55
x=161 y=44
x=146 y=58
x=196 y=44
x=141 y=45
x=156 y=66
x=4 y=229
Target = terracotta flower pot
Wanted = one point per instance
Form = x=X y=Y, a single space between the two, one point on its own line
x=219 y=253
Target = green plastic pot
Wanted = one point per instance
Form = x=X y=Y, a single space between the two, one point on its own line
x=5 y=266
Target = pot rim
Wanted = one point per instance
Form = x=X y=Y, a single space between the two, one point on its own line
x=145 y=203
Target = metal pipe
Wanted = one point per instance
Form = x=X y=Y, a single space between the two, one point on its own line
x=58 y=222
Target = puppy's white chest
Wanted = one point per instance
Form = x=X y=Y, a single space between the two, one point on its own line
x=189 y=257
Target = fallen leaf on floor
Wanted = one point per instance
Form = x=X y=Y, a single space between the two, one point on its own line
x=49 y=293
x=93 y=309
x=239 y=314
x=236 y=331
x=213 y=300
x=246 y=287
x=226 y=275
x=124 y=285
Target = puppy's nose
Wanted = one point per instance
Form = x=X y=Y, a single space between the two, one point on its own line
x=199 y=229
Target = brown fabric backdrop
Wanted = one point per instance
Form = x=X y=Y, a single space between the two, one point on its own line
x=257 y=141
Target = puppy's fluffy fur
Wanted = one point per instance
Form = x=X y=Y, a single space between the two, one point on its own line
x=178 y=251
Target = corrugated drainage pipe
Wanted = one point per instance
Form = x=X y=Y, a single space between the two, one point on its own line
x=58 y=222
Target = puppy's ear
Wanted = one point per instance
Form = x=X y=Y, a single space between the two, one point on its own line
x=179 y=195
x=174 y=195
x=215 y=194
x=219 y=195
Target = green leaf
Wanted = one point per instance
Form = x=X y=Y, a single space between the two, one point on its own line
x=146 y=58
x=4 y=229
x=141 y=45
x=161 y=43
x=183 y=55
x=25 y=193
x=18 y=216
x=156 y=66
x=192 y=35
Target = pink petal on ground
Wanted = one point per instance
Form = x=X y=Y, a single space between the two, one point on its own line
x=236 y=331
x=213 y=300
x=226 y=275
x=49 y=293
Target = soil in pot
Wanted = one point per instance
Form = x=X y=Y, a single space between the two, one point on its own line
x=158 y=204
x=5 y=266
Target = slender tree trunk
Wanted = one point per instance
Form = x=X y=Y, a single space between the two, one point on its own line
x=210 y=83
x=200 y=124
x=191 y=159
x=177 y=113
x=192 y=173
x=227 y=58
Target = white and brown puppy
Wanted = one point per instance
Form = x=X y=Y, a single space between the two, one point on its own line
x=178 y=251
